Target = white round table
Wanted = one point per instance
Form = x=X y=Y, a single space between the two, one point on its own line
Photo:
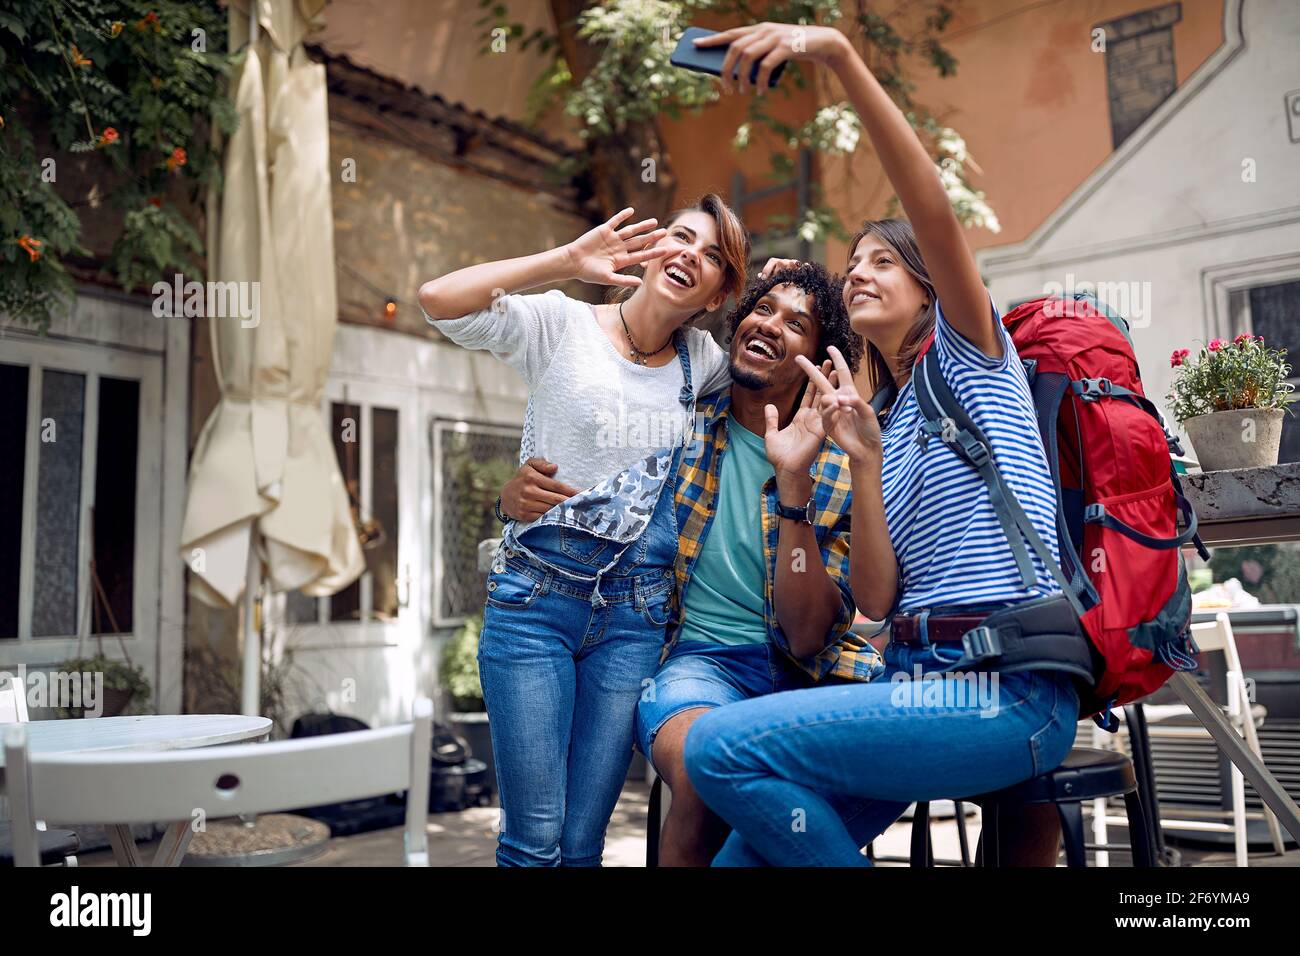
x=147 y=732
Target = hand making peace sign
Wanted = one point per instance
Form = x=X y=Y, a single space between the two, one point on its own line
x=848 y=420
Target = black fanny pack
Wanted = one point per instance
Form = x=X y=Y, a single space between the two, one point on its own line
x=1043 y=634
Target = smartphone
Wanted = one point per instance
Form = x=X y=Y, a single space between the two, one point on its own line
x=709 y=59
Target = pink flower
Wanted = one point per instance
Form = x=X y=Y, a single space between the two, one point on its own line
x=1243 y=337
x=1215 y=345
x=1178 y=358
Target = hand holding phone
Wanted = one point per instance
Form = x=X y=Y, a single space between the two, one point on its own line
x=709 y=59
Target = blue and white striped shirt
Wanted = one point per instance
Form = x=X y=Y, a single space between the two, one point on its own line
x=950 y=547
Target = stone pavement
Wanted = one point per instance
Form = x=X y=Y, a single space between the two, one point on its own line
x=468 y=839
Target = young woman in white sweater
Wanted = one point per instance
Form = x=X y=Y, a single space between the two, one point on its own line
x=581 y=588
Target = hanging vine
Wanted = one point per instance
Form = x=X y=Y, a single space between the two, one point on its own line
x=105 y=102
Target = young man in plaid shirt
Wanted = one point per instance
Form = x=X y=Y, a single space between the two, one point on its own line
x=763 y=503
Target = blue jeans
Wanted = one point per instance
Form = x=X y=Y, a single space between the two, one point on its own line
x=704 y=674
x=562 y=669
x=808 y=777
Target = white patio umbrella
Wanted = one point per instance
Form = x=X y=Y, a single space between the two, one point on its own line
x=265 y=499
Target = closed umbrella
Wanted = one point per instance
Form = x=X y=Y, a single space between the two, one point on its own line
x=266 y=502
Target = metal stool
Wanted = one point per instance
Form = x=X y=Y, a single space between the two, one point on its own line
x=654 y=820
x=1085 y=774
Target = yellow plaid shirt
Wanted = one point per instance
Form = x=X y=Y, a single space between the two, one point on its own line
x=845 y=655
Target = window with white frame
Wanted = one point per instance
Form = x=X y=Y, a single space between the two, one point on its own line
x=366 y=446
x=70 y=460
x=471 y=463
x=1272 y=310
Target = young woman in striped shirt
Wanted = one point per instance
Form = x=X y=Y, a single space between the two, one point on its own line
x=846 y=760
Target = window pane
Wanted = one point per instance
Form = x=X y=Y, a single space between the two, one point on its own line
x=346 y=425
x=1275 y=314
x=300 y=608
x=475 y=466
x=13 y=455
x=381 y=554
x=58 y=504
x=116 y=451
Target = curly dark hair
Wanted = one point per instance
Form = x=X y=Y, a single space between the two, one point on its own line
x=827 y=292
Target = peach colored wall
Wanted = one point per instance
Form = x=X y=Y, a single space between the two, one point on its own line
x=434 y=46
x=1030 y=99
x=704 y=159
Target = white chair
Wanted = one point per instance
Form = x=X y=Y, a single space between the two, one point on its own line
x=1175 y=721
x=215 y=782
x=54 y=844
x=13 y=701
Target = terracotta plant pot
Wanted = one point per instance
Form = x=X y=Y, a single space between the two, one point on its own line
x=1240 y=438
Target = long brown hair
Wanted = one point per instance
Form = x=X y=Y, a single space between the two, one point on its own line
x=733 y=241
x=898 y=235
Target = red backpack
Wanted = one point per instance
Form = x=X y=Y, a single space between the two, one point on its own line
x=1118 y=495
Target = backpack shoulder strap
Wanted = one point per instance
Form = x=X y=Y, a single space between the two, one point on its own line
x=948 y=420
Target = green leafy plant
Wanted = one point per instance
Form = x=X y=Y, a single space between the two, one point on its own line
x=118 y=676
x=214 y=682
x=1243 y=373
x=610 y=71
x=119 y=94
x=1271 y=572
x=459 y=670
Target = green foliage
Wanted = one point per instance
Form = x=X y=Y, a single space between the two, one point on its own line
x=127 y=85
x=118 y=675
x=1243 y=373
x=1271 y=572
x=632 y=82
x=459 y=670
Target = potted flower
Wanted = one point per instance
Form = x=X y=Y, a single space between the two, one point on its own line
x=1231 y=399
x=459 y=677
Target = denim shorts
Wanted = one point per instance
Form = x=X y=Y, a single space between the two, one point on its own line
x=705 y=674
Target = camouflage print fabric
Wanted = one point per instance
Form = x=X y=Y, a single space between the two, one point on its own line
x=618 y=507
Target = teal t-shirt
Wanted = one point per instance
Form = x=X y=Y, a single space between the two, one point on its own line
x=725 y=596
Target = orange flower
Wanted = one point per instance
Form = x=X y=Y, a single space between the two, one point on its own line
x=78 y=59
x=155 y=201
x=107 y=138
x=150 y=20
x=33 y=247
x=115 y=28
x=177 y=158
x=2 y=122
x=155 y=82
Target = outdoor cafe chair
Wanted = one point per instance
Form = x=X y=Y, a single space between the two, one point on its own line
x=55 y=847
x=214 y=782
x=1143 y=722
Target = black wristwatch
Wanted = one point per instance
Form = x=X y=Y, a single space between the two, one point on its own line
x=806 y=514
x=497 y=508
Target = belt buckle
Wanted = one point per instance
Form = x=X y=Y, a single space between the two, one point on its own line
x=980 y=643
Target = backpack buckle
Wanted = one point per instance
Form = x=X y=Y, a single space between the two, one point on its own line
x=925 y=430
x=1094 y=388
x=1094 y=512
x=977 y=453
x=980 y=643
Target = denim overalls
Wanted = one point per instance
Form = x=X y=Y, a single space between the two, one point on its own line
x=573 y=629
